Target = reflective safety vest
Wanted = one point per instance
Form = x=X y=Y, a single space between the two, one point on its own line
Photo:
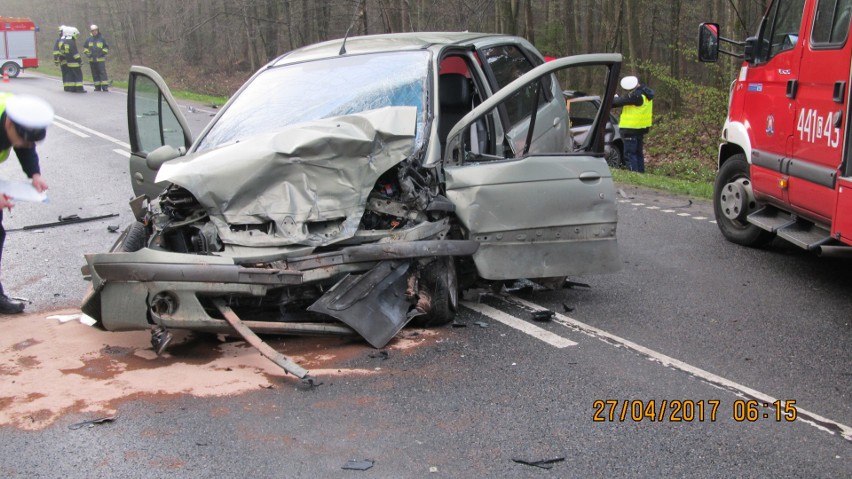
x=4 y=97
x=637 y=117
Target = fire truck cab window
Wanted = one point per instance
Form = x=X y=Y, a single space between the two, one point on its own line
x=780 y=31
x=831 y=23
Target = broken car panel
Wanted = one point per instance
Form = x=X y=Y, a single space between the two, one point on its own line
x=362 y=188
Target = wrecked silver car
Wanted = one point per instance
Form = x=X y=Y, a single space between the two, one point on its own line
x=357 y=185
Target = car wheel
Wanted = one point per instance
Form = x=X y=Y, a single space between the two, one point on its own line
x=733 y=201
x=134 y=239
x=614 y=157
x=439 y=279
x=12 y=69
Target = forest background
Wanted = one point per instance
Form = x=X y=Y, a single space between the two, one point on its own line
x=212 y=46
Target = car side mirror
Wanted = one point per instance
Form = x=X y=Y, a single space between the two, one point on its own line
x=708 y=42
x=750 y=49
x=156 y=158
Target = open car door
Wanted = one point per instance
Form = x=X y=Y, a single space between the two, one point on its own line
x=154 y=121
x=543 y=211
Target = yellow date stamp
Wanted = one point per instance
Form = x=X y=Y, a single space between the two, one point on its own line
x=689 y=410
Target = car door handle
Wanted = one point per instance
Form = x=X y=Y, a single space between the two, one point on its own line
x=590 y=176
x=556 y=122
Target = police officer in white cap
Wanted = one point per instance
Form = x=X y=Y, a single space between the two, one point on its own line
x=23 y=122
x=636 y=119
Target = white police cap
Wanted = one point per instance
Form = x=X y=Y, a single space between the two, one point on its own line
x=30 y=112
x=629 y=83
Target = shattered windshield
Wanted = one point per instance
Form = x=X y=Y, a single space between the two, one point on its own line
x=326 y=88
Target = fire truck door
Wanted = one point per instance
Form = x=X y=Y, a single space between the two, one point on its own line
x=821 y=116
x=769 y=109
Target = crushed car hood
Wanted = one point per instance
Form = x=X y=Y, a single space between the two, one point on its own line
x=304 y=184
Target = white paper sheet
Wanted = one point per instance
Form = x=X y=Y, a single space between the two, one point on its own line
x=22 y=191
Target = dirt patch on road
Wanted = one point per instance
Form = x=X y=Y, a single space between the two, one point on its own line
x=49 y=368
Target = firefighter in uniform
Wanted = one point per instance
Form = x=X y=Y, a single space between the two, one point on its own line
x=59 y=59
x=636 y=118
x=96 y=48
x=73 y=59
x=23 y=122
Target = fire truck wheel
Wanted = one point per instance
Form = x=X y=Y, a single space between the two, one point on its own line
x=733 y=201
x=12 y=69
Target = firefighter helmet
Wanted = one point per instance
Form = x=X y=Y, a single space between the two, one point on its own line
x=93 y=28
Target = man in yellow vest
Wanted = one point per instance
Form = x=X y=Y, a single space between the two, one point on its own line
x=23 y=122
x=636 y=118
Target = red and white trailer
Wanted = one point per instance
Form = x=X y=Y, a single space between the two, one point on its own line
x=17 y=45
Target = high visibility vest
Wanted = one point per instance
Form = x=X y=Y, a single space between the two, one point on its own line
x=637 y=117
x=4 y=97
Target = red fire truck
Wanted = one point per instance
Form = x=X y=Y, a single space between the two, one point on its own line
x=17 y=45
x=784 y=167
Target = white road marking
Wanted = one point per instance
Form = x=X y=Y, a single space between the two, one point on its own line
x=71 y=130
x=699 y=217
x=550 y=338
x=637 y=204
x=819 y=422
x=668 y=211
x=653 y=207
x=684 y=214
x=93 y=132
x=123 y=153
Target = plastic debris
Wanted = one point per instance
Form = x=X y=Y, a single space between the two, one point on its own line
x=543 y=463
x=64 y=318
x=567 y=308
x=358 y=464
x=481 y=324
x=542 y=316
x=112 y=228
x=92 y=422
x=383 y=355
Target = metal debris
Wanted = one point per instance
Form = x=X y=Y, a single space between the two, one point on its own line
x=113 y=228
x=543 y=463
x=253 y=339
x=574 y=284
x=64 y=220
x=542 y=315
x=567 y=308
x=481 y=324
x=92 y=422
x=358 y=464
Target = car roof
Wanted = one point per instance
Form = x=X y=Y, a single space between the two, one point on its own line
x=387 y=43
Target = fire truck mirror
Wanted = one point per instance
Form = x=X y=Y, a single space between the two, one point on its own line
x=708 y=42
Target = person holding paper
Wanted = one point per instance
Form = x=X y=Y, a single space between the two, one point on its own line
x=23 y=122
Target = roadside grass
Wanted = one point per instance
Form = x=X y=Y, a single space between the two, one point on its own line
x=695 y=188
x=216 y=101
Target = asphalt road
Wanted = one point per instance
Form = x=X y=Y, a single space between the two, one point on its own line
x=690 y=317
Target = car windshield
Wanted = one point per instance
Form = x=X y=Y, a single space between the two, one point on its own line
x=325 y=88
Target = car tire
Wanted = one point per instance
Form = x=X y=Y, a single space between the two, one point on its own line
x=439 y=279
x=134 y=239
x=12 y=69
x=733 y=201
x=614 y=157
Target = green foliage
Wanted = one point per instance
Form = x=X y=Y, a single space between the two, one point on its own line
x=697 y=189
x=688 y=118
